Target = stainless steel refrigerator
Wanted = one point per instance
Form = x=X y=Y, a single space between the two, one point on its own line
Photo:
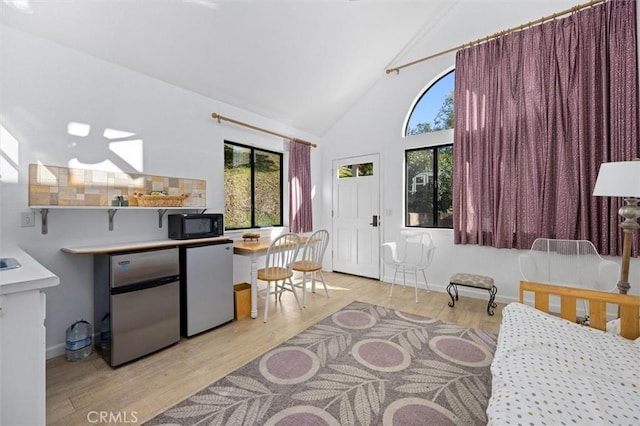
x=136 y=303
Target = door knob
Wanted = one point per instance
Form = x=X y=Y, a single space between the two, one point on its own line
x=375 y=221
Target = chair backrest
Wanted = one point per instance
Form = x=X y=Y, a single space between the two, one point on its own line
x=316 y=246
x=429 y=250
x=418 y=248
x=282 y=252
x=413 y=253
x=568 y=262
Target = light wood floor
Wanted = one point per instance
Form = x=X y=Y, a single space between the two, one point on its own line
x=146 y=387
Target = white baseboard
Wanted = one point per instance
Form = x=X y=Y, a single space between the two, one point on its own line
x=55 y=350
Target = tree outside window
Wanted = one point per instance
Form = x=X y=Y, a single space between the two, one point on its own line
x=429 y=170
x=252 y=187
x=434 y=109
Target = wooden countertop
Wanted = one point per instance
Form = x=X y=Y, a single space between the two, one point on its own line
x=251 y=246
x=248 y=247
x=139 y=245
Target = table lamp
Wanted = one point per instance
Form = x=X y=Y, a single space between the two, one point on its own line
x=622 y=179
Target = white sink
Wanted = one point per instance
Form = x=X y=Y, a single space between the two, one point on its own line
x=8 y=263
x=21 y=272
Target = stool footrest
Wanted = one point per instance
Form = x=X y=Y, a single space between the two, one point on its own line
x=474 y=281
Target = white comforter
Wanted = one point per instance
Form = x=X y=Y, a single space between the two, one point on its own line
x=550 y=371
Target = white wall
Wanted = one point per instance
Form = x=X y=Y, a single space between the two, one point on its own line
x=45 y=86
x=374 y=125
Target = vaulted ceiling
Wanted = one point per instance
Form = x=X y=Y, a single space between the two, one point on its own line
x=300 y=62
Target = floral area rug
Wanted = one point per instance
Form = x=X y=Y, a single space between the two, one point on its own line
x=363 y=365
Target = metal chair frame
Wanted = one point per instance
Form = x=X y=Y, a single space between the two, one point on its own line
x=416 y=256
x=574 y=263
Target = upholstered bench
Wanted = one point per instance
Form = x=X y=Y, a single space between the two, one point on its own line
x=475 y=281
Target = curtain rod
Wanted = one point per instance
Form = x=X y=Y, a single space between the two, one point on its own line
x=496 y=35
x=219 y=117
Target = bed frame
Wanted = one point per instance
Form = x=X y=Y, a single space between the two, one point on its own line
x=628 y=306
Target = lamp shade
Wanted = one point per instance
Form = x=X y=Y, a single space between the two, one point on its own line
x=618 y=179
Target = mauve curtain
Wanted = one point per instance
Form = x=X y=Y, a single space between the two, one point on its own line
x=300 y=208
x=537 y=112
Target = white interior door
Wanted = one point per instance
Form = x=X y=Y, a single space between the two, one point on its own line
x=356 y=216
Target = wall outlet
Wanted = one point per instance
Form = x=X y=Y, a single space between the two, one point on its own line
x=27 y=219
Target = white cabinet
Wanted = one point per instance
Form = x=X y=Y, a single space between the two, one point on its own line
x=22 y=340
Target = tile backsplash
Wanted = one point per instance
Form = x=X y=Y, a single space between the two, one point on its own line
x=64 y=186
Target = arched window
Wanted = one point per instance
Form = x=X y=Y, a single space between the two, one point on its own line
x=429 y=169
x=434 y=109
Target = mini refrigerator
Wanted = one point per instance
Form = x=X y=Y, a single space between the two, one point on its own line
x=206 y=286
x=136 y=303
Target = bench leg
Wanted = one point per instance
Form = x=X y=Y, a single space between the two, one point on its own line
x=492 y=298
x=451 y=288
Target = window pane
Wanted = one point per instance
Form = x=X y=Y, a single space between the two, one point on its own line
x=252 y=187
x=419 y=183
x=445 y=186
x=429 y=200
x=268 y=186
x=434 y=109
x=365 y=169
x=237 y=186
x=345 y=171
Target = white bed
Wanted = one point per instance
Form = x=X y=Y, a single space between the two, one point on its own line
x=547 y=370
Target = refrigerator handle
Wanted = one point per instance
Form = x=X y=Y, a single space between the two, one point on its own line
x=143 y=285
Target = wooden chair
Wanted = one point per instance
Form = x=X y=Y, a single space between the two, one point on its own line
x=311 y=262
x=281 y=255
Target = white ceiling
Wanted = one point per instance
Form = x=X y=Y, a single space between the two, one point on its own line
x=303 y=63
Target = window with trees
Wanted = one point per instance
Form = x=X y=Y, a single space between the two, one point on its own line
x=429 y=170
x=434 y=109
x=429 y=185
x=252 y=187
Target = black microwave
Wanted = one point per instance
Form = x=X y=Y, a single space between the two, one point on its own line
x=189 y=225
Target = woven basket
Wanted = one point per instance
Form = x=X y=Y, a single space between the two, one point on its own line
x=160 y=200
